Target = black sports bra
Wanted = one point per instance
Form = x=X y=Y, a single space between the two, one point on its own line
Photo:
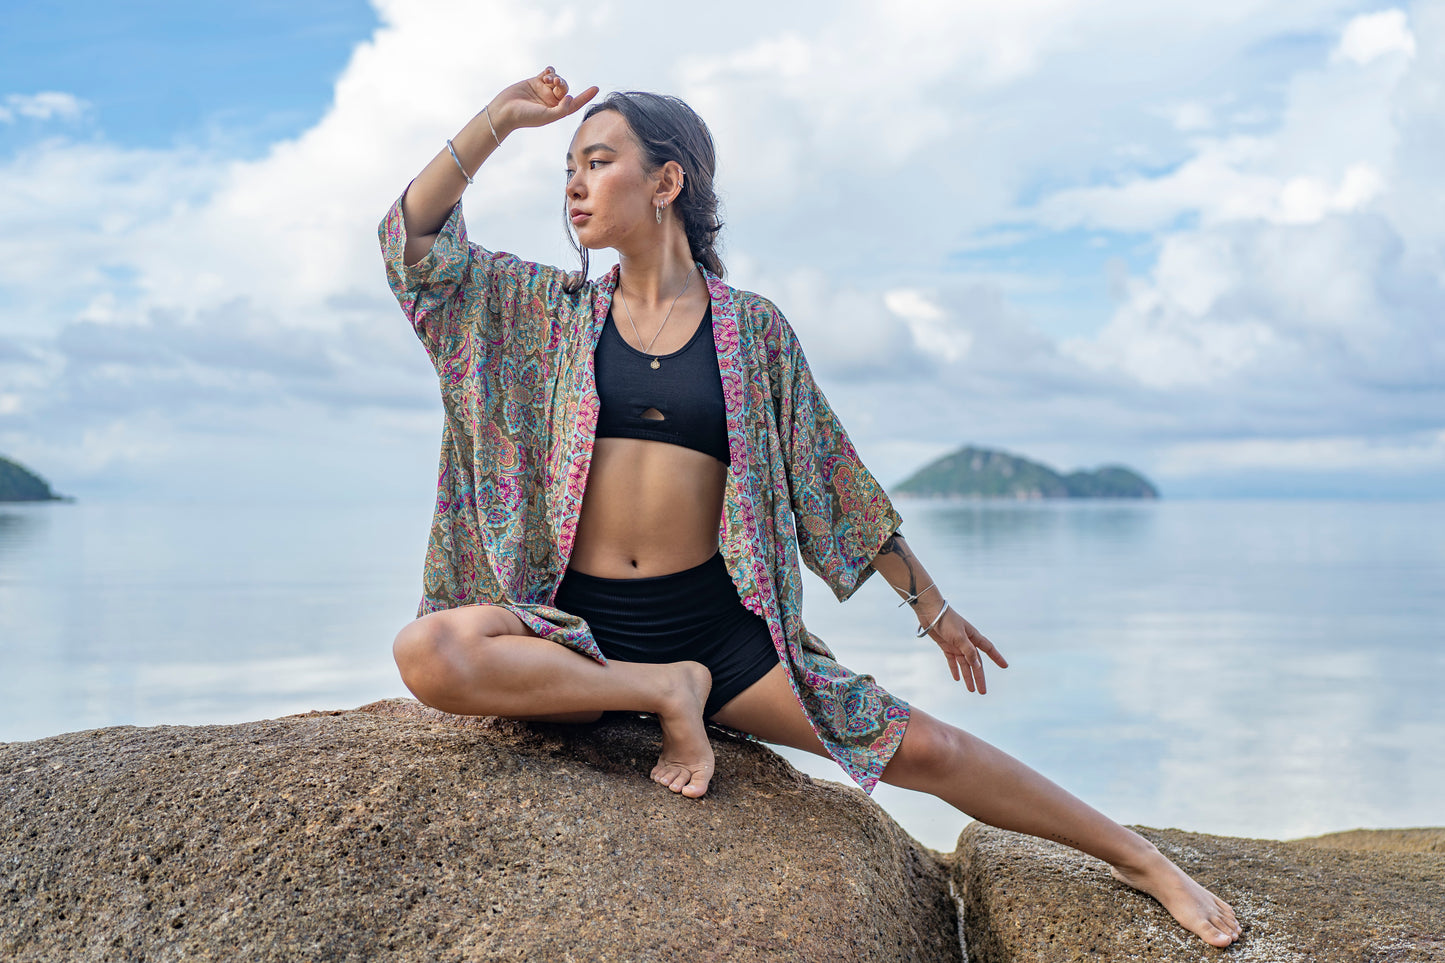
x=685 y=389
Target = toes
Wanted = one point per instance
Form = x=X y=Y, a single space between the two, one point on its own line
x=1219 y=931
x=682 y=779
x=672 y=775
x=697 y=785
x=1225 y=919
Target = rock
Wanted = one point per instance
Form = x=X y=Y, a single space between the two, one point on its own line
x=395 y=832
x=1381 y=840
x=1026 y=900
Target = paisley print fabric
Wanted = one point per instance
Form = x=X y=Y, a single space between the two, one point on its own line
x=513 y=352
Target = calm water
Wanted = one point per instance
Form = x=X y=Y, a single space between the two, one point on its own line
x=1248 y=668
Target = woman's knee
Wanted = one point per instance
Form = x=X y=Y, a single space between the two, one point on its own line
x=434 y=652
x=930 y=750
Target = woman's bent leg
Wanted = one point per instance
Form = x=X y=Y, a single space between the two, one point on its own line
x=482 y=660
x=993 y=787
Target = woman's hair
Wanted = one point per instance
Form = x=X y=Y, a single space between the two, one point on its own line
x=669 y=130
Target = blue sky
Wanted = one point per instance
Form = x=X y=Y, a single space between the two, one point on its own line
x=1208 y=242
x=158 y=73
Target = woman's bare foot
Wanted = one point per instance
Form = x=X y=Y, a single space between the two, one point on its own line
x=1196 y=908
x=686 y=763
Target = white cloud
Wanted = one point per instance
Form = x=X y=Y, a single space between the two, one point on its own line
x=1408 y=453
x=1298 y=275
x=929 y=325
x=1295 y=243
x=1192 y=116
x=1306 y=200
x=1374 y=35
x=46 y=105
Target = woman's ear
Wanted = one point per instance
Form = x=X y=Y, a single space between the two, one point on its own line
x=669 y=182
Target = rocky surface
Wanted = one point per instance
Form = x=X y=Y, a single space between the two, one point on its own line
x=1381 y=840
x=1025 y=900
x=397 y=833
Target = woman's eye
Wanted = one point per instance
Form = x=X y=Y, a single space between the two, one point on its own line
x=568 y=173
x=592 y=164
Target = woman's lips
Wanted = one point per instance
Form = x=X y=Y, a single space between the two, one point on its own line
x=579 y=216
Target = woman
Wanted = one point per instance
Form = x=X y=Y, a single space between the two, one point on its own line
x=630 y=470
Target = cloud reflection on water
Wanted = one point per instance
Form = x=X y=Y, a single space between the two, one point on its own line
x=1266 y=668
x=1243 y=668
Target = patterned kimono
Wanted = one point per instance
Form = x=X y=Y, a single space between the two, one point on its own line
x=513 y=350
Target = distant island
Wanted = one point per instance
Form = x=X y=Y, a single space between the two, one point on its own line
x=983 y=473
x=20 y=484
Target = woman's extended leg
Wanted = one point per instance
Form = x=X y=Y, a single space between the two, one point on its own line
x=482 y=660
x=997 y=789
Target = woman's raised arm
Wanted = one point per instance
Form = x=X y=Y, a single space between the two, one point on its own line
x=533 y=102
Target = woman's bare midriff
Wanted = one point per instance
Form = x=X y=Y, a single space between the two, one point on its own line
x=651 y=508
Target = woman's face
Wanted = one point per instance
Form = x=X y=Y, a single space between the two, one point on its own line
x=610 y=199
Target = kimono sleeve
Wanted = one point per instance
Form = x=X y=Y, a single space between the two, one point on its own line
x=841 y=513
x=459 y=288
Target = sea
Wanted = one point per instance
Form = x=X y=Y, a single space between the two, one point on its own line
x=1249 y=668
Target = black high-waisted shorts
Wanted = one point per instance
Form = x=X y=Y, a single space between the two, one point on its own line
x=692 y=615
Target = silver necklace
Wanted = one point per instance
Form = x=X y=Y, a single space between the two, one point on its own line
x=648 y=350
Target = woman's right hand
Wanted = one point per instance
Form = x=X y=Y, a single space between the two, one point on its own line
x=537 y=101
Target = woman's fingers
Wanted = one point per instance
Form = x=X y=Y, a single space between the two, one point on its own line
x=963 y=645
x=556 y=89
x=572 y=104
x=541 y=99
x=981 y=642
x=556 y=97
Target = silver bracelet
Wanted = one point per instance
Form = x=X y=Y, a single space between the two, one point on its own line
x=910 y=599
x=491 y=125
x=924 y=631
x=458 y=160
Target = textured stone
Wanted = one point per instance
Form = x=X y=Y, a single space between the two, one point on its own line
x=395 y=832
x=1026 y=900
x=1382 y=840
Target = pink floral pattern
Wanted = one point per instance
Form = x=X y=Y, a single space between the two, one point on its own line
x=513 y=352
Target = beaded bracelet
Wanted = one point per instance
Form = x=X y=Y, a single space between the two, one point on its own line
x=925 y=630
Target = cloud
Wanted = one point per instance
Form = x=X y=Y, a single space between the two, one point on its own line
x=928 y=324
x=878 y=170
x=1374 y=35
x=1421 y=451
x=46 y=105
x=1305 y=294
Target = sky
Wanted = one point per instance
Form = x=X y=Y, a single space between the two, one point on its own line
x=1203 y=240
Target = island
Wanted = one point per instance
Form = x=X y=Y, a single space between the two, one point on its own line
x=984 y=473
x=20 y=484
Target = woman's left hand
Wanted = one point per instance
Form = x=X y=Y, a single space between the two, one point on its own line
x=961 y=644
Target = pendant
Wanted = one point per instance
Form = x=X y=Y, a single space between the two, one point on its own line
x=656 y=364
